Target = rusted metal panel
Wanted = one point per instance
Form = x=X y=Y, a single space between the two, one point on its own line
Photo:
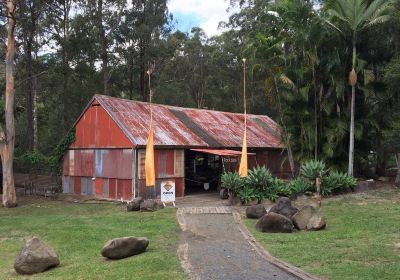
x=86 y=186
x=77 y=185
x=179 y=163
x=71 y=162
x=112 y=188
x=105 y=187
x=179 y=187
x=185 y=127
x=124 y=189
x=66 y=164
x=95 y=128
x=83 y=163
x=98 y=186
x=113 y=163
x=68 y=184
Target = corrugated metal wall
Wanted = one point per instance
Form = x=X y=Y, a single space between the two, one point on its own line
x=108 y=172
x=96 y=129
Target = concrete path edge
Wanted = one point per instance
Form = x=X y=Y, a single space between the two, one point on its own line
x=295 y=271
x=183 y=250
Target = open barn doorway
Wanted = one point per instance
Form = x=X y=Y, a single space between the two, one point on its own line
x=202 y=172
x=204 y=167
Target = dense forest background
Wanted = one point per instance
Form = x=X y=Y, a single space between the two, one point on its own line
x=69 y=50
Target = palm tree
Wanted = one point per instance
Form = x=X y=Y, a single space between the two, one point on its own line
x=355 y=16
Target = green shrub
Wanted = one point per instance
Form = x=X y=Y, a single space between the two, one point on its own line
x=247 y=194
x=313 y=169
x=232 y=182
x=281 y=188
x=337 y=181
x=261 y=180
x=300 y=185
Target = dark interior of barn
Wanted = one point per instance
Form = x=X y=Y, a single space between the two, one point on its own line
x=202 y=172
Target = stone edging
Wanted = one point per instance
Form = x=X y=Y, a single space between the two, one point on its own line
x=260 y=250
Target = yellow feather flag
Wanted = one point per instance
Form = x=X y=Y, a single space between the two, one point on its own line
x=243 y=160
x=149 y=160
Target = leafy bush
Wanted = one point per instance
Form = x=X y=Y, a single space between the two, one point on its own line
x=299 y=186
x=232 y=182
x=313 y=169
x=247 y=194
x=261 y=180
x=337 y=181
x=33 y=162
x=281 y=188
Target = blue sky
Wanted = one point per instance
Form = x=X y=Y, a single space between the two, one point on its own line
x=203 y=13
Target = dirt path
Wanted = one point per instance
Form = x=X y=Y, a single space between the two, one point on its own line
x=215 y=246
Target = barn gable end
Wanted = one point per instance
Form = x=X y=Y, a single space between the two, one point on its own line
x=96 y=129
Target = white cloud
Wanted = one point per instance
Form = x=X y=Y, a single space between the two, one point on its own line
x=210 y=12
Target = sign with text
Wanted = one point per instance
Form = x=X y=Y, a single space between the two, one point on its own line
x=168 y=191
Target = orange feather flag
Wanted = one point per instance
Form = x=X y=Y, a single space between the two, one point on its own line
x=149 y=160
x=243 y=160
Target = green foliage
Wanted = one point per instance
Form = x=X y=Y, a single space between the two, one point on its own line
x=247 y=194
x=232 y=181
x=259 y=178
x=32 y=162
x=313 y=169
x=337 y=181
x=300 y=185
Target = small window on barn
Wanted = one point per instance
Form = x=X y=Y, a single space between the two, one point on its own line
x=141 y=159
x=179 y=163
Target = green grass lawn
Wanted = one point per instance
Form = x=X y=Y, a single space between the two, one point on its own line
x=78 y=232
x=361 y=241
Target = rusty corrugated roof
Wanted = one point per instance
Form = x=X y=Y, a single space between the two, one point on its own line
x=186 y=127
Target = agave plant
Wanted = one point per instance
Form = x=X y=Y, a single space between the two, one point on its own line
x=232 y=182
x=314 y=170
x=247 y=194
x=338 y=181
x=261 y=180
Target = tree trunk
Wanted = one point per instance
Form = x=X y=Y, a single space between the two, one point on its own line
x=397 y=180
x=7 y=137
x=65 y=67
x=35 y=117
x=352 y=108
x=103 y=44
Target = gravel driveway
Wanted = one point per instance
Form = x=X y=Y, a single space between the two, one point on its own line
x=213 y=247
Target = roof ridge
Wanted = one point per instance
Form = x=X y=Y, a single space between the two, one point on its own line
x=178 y=107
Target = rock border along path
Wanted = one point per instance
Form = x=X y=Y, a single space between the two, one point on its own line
x=215 y=244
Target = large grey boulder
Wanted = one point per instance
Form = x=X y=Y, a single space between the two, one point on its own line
x=124 y=247
x=150 y=205
x=34 y=257
x=255 y=211
x=273 y=222
x=134 y=205
x=284 y=207
x=308 y=219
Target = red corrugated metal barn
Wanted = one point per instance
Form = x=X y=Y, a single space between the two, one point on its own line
x=192 y=147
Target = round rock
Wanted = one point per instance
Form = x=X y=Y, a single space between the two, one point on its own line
x=273 y=222
x=34 y=257
x=119 y=248
x=255 y=211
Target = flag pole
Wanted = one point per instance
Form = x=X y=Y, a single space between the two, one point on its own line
x=243 y=161
x=149 y=160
